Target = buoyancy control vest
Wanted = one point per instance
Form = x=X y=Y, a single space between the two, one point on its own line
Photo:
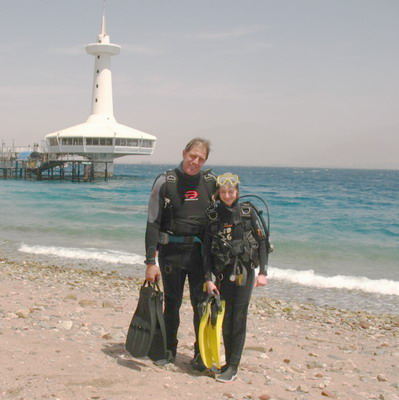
x=236 y=241
x=186 y=200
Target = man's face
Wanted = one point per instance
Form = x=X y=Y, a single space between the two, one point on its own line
x=194 y=159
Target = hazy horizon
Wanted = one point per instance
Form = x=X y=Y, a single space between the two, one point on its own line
x=121 y=161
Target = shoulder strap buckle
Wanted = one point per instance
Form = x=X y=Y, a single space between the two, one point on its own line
x=208 y=175
x=213 y=216
x=245 y=209
x=171 y=178
x=212 y=213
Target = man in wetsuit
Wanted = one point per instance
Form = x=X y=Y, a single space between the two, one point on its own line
x=176 y=219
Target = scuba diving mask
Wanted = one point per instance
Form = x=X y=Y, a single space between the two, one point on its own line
x=227 y=179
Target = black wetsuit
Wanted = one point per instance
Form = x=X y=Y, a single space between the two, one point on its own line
x=237 y=297
x=182 y=219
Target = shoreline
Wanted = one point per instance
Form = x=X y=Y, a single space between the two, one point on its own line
x=354 y=299
x=63 y=331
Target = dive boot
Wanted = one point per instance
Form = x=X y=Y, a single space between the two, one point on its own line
x=197 y=364
x=229 y=374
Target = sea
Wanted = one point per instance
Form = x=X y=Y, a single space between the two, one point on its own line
x=335 y=231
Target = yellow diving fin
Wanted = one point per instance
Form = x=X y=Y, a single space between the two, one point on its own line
x=215 y=329
x=203 y=335
x=211 y=310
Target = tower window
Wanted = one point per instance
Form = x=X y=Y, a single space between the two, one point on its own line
x=98 y=71
x=98 y=56
x=96 y=100
x=97 y=86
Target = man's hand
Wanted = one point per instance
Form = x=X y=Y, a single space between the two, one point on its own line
x=152 y=273
x=260 y=280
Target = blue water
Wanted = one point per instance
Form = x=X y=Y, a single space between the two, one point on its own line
x=335 y=232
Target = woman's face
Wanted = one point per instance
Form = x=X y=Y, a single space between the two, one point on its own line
x=228 y=195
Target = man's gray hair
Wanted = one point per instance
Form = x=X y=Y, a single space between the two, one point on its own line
x=199 y=142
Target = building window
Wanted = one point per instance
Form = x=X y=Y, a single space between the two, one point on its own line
x=120 y=142
x=132 y=142
x=99 y=141
x=127 y=142
x=147 y=143
x=76 y=141
x=52 y=142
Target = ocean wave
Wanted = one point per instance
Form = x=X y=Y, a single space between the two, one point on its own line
x=389 y=232
x=108 y=256
x=309 y=278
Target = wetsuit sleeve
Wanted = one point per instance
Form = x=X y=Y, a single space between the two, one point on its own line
x=260 y=236
x=207 y=255
x=155 y=207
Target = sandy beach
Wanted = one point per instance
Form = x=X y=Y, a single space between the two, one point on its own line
x=62 y=335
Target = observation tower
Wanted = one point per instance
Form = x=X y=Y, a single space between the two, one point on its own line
x=100 y=139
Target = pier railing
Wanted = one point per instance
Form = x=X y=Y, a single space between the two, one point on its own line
x=75 y=171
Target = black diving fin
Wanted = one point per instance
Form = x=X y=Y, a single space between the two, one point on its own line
x=146 y=334
x=157 y=349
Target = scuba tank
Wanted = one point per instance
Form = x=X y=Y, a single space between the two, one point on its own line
x=259 y=213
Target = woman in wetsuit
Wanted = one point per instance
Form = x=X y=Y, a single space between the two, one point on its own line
x=235 y=244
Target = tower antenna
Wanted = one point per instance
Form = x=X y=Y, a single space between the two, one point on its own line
x=103 y=30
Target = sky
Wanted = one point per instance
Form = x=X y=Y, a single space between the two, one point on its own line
x=303 y=83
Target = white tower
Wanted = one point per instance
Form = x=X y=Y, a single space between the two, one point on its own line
x=102 y=102
x=100 y=138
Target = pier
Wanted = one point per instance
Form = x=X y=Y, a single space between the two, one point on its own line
x=37 y=166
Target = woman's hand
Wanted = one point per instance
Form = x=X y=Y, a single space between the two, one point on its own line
x=260 y=280
x=152 y=273
x=211 y=288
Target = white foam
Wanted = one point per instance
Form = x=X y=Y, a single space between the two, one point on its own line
x=309 y=278
x=108 y=256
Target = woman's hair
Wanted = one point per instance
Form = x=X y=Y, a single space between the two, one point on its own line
x=199 y=142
